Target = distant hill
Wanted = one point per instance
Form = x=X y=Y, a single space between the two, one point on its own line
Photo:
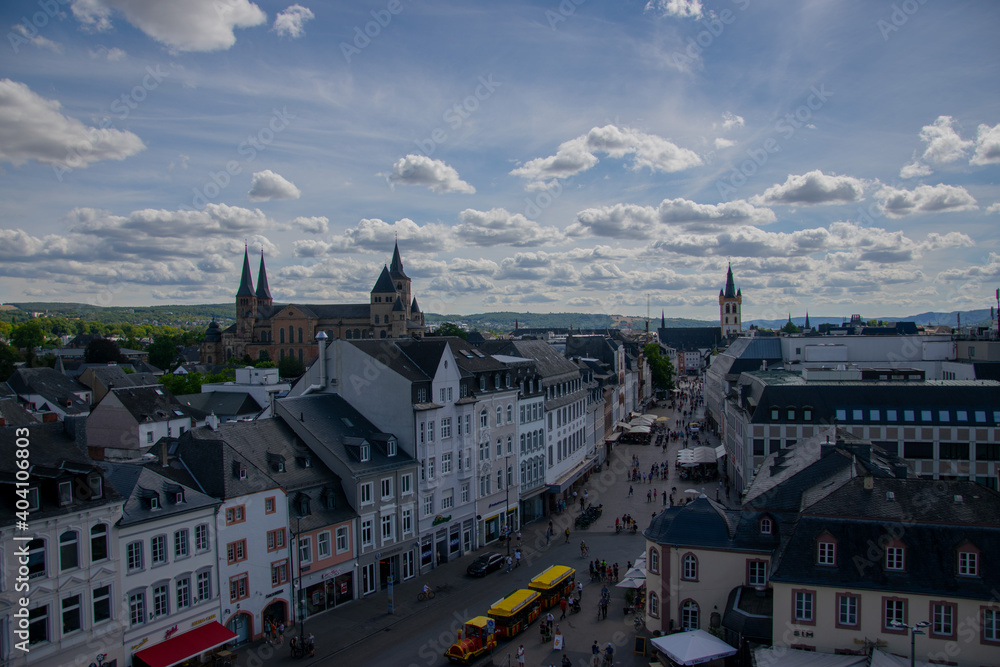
x=179 y=316
x=505 y=321
x=969 y=318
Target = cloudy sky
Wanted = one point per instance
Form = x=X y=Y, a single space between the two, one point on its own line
x=542 y=156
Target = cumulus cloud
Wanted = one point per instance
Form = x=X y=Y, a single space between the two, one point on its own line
x=631 y=220
x=684 y=9
x=721 y=143
x=32 y=128
x=897 y=203
x=378 y=235
x=113 y=54
x=813 y=187
x=266 y=185
x=731 y=121
x=993 y=208
x=915 y=169
x=987 y=145
x=20 y=32
x=579 y=154
x=435 y=174
x=499 y=226
x=312 y=225
x=291 y=22
x=182 y=25
x=944 y=145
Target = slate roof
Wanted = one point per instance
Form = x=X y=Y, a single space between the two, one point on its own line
x=388 y=352
x=923 y=514
x=116 y=376
x=396 y=265
x=51 y=385
x=705 y=523
x=246 y=279
x=13 y=414
x=594 y=347
x=690 y=338
x=384 y=282
x=213 y=458
x=548 y=362
x=263 y=291
x=6 y=391
x=219 y=403
x=749 y=613
x=730 y=292
x=150 y=404
x=337 y=429
x=136 y=482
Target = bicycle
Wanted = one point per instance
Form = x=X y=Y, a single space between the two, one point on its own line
x=425 y=595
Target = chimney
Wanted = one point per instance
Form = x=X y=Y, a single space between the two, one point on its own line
x=212 y=422
x=321 y=341
x=164 y=456
x=869 y=482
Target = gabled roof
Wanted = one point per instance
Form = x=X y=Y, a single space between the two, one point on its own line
x=113 y=375
x=548 y=362
x=219 y=403
x=150 y=404
x=51 y=385
x=137 y=482
x=384 y=283
x=411 y=364
x=215 y=458
x=13 y=414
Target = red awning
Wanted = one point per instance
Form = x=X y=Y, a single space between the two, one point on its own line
x=183 y=647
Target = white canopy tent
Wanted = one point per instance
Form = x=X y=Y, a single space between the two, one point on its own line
x=693 y=647
x=792 y=657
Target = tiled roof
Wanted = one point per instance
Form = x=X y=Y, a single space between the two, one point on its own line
x=13 y=414
x=130 y=480
x=150 y=404
x=219 y=403
x=690 y=338
x=51 y=385
x=707 y=524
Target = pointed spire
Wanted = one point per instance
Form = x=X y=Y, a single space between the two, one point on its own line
x=730 y=284
x=246 y=282
x=384 y=283
x=263 y=291
x=396 y=266
x=807 y=321
x=663 y=320
x=414 y=308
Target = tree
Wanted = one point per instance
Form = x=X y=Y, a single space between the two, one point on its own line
x=265 y=364
x=449 y=329
x=162 y=352
x=290 y=367
x=791 y=328
x=102 y=351
x=663 y=370
x=8 y=357
x=28 y=335
x=182 y=384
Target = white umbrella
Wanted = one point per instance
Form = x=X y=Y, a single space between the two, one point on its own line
x=693 y=648
x=631 y=582
x=691 y=491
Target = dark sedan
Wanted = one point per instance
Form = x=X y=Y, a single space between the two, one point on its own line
x=484 y=565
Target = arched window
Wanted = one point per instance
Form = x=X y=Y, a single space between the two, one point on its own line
x=98 y=542
x=499 y=416
x=510 y=445
x=281 y=335
x=689 y=615
x=300 y=354
x=654 y=605
x=282 y=351
x=654 y=560
x=376 y=319
x=765 y=526
x=357 y=333
x=348 y=335
x=291 y=334
x=69 y=554
x=510 y=413
x=690 y=568
x=382 y=333
x=484 y=419
x=300 y=334
x=499 y=447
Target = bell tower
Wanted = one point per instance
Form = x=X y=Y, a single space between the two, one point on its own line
x=246 y=302
x=730 y=307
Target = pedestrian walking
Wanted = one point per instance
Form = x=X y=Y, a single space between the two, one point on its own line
x=517 y=558
x=616 y=571
x=562 y=607
x=649 y=496
x=630 y=491
x=550 y=620
x=579 y=590
x=567 y=534
x=509 y=562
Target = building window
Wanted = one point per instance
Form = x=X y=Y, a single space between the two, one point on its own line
x=269 y=505
x=323 y=545
x=893 y=611
x=137 y=608
x=183 y=593
x=98 y=542
x=943 y=620
x=756 y=573
x=279 y=573
x=968 y=563
x=406 y=521
x=69 y=554
x=895 y=558
x=847 y=611
x=689 y=615
x=386 y=528
x=201 y=537
x=765 y=526
x=690 y=567
x=204 y=586
x=510 y=413
x=158 y=549
x=803 y=606
x=430 y=468
x=236 y=551
x=239 y=587
x=133 y=556
x=428 y=505
x=366 y=493
x=465 y=492
x=367 y=537
x=160 y=594
x=447 y=499
x=71 y=621
x=990 y=633
x=181 y=543
x=430 y=431
x=405 y=484
x=235 y=515
x=446 y=427
x=386 y=484
x=826 y=553
x=654 y=605
x=445 y=463
x=305 y=550
x=102 y=604
x=499 y=416
x=342 y=539
x=654 y=560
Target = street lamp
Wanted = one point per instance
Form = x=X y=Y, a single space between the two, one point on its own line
x=299 y=600
x=915 y=629
x=506 y=510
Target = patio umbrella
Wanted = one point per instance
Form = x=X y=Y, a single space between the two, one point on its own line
x=631 y=583
x=693 y=648
x=691 y=491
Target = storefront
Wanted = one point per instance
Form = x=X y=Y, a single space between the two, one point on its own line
x=186 y=648
x=334 y=588
x=495 y=526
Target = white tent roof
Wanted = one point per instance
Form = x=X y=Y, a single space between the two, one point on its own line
x=793 y=657
x=693 y=648
x=882 y=659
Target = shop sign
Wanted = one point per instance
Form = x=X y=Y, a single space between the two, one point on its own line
x=206 y=619
x=441 y=519
x=136 y=647
x=332 y=573
x=169 y=633
x=271 y=595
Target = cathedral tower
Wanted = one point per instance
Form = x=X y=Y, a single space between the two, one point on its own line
x=730 y=307
x=246 y=301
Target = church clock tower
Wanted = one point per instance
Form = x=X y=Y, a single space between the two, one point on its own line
x=731 y=307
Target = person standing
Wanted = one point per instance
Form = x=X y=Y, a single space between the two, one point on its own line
x=562 y=606
x=517 y=557
x=520 y=656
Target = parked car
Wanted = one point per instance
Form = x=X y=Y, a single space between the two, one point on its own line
x=484 y=565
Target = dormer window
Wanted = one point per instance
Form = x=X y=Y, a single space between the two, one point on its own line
x=775 y=414
x=765 y=526
x=33 y=498
x=96 y=487
x=154 y=502
x=968 y=560
x=390 y=447
x=365 y=453
x=496 y=380
x=482 y=383
x=329 y=499
x=826 y=550
x=895 y=557
x=65 y=493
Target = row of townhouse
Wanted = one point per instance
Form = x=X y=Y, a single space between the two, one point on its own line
x=835 y=543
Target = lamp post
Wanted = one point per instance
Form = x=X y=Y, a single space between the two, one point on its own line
x=915 y=629
x=506 y=510
x=300 y=599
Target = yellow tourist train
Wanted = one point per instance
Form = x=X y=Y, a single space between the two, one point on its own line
x=511 y=614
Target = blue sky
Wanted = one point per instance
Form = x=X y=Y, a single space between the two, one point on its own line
x=542 y=156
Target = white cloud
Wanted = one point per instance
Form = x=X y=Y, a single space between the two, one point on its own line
x=993 y=208
x=113 y=54
x=435 y=174
x=32 y=128
x=498 y=226
x=813 y=187
x=182 y=25
x=731 y=121
x=578 y=155
x=721 y=143
x=267 y=185
x=897 y=203
x=634 y=221
x=619 y=221
x=684 y=9
x=685 y=211
x=915 y=169
x=312 y=225
x=987 y=145
x=377 y=235
x=37 y=40
x=943 y=143
x=291 y=22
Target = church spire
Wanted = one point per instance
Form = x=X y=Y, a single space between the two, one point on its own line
x=263 y=291
x=807 y=321
x=730 y=292
x=246 y=282
x=396 y=265
x=663 y=320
